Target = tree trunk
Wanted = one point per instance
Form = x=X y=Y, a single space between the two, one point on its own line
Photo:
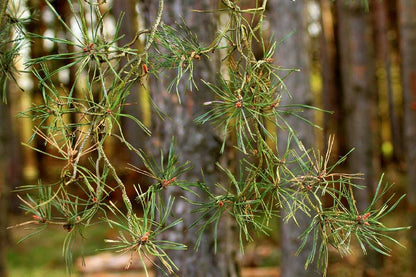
x=360 y=100
x=5 y=167
x=4 y=182
x=10 y=173
x=357 y=75
x=10 y=176
x=330 y=71
x=196 y=143
x=129 y=26
x=293 y=53
x=383 y=52
x=36 y=50
x=4 y=160
x=407 y=15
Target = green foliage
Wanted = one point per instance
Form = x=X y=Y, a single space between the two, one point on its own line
x=143 y=232
x=12 y=37
x=75 y=123
x=176 y=47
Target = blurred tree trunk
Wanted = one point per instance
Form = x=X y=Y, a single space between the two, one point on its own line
x=10 y=174
x=357 y=75
x=407 y=15
x=5 y=160
x=129 y=26
x=10 y=168
x=287 y=16
x=331 y=93
x=383 y=53
x=196 y=143
x=64 y=10
x=360 y=101
x=36 y=50
x=5 y=167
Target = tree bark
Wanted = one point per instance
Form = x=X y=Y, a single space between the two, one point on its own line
x=4 y=182
x=10 y=176
x=4 y=163
x=360 y=101
x=37 y=50
x=407 y=16
x=330 y=71
x=128 y=28
x=357 y=70
x=10 y=172
x=287 y=16
x=196 y=143
x=383 y=52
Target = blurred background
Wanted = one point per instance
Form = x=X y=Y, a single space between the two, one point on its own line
x=356 y=60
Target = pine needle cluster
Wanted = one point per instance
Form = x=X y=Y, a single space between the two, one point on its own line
x=74 y=123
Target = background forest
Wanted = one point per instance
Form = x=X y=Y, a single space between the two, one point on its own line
x=349 y=67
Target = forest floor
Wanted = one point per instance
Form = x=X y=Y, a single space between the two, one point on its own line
x=41 y=256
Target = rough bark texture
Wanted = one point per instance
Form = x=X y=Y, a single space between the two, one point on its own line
x=196 y=143
x=293 y=53
x=407 y=11
x=359 y=100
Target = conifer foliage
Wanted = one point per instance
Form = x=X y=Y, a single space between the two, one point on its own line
x=76 y=121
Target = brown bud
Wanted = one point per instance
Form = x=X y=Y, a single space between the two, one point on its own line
x=145 y=68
